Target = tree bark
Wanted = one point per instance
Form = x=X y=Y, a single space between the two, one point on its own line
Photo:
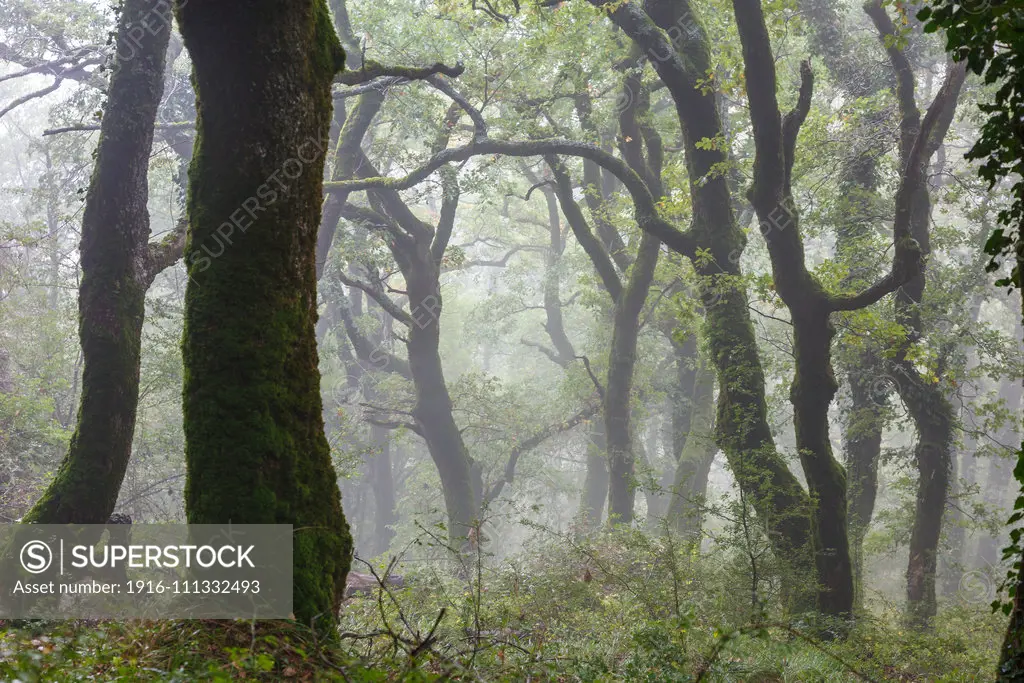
x=118 y=265
x=459 y=473
x=255 y=447
x=383 y=484
x=933 y=416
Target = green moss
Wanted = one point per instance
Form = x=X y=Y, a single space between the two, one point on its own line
x=255 y=445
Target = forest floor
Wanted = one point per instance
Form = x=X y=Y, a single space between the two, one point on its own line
x=959 y=649
x=623 y=608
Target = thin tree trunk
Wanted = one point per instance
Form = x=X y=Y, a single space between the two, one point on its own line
x=383 y=484
x=255 y=447
x=999 y=481
x=595 y=483
x=686 y=509
x=863 y=438
x=933 y=416
x=118 y=266
x=618 y=394
x=459 y=474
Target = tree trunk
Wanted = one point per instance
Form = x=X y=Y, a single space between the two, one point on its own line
x=933 y=416
x=1011 y=656
x=618 y=394
x=814 y=387
x=7 y=459
x=999 y=481
x=595 y=484
x=383 y=484
x=433 y=411
x=685 y=512
x=741 y=425
x=118 y=266
x=814 y=384
x=255 y=448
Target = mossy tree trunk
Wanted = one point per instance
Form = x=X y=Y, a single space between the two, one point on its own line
x=255 y=446
x=810 y=306
x=1011 y=654
x=854 y=221
x=926 y=400
x=741 y=425
x=118 y=265
x=933 y=416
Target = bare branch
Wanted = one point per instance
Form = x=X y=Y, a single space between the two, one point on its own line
x=43 y=92
x=645 y=207
x=377 y=293
x=177 y=125
x=532 y=442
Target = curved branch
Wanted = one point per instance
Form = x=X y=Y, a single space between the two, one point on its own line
x=43 y=92
x=376 y=293
x=534 y=441
x=377 y=357
x=645 y=208
x=591 y=245
x=792 y=121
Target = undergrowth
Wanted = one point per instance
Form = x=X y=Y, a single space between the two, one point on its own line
x=620 y=607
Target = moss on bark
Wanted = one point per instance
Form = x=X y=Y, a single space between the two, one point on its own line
x=255 y=445
x=115 y=277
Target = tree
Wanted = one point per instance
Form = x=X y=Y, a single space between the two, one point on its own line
x=118 y=266
x=987 y=37
x=255 y=445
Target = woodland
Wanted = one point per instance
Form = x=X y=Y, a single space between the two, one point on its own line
x=582 y=340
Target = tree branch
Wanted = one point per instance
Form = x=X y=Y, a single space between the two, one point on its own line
x=166 y=252
x=591 y=245
x=645 y=208
x=534 y=441
x=43 y=92
x=378 y=294
x=376 y=356
x=371 y=71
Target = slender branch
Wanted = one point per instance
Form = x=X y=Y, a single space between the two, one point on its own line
x=645 y=207
x=43 y=92
x=377 y=293
x=593 y=378
x=792 y=122
x=177 y=125
x=381 y=85
x=446 y=221
x=581 y=229
x=532 y=442
x=496 y=263
x=376 y=356
x=479 y=124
